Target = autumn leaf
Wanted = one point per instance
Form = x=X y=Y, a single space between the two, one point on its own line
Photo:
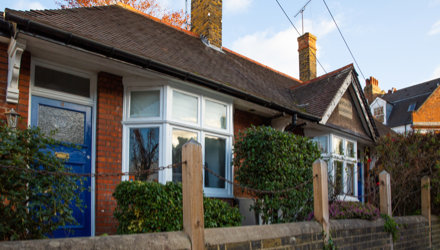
x=149 y=7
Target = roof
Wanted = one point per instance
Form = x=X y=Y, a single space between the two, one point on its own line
x=117 y=27
x=403 y=98
x=316 y=95
x=129 y=32
x=383 y=129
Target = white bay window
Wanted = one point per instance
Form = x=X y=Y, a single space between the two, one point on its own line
x=151 y=133
x=340 y=155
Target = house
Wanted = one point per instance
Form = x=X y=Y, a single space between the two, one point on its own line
x=130 y=89
x=414 y=108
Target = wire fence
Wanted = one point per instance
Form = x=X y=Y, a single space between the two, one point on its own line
x=155 y=170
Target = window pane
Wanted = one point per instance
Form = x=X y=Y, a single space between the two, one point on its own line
x=60 y=81
x=350 y=149
x=145 y=104
x=338 y=166
x=350 y=179
x=180 y=137
x=215 y=115
x=338 y=146
x=185 y=107
x=215 y=153
x=322 y=143
x=68 y=125
x=144 y=152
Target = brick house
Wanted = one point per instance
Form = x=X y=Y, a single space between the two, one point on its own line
x=118 y=82
x=404 y=110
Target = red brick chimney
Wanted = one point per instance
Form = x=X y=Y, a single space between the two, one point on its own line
x=372 y=89
x=307 y=57
x=206 y=20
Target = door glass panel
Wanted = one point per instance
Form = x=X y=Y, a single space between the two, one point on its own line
x=185 y=107
x=145 y=104
x=215 y=115
x=60 y=81
x=180 y=137
x=67 y=125
x=144 y=153
x=215 y=153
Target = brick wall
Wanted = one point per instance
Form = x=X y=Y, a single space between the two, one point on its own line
x=347 y=234
x=108 y=149
x=429 y=112
x=435 y=231
x=23 y=85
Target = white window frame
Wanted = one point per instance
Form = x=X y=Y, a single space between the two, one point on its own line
x=127 y=104
x=60 y=95
x=331 y=157
x=126 y=147
x=63 y=96
x=199 y=109
x=167 y=124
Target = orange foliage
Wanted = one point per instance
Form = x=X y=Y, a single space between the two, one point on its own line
x=150 y=7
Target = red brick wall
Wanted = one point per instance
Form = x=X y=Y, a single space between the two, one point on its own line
x=428 y=112
x=23 y=86
x=108 y=149
x=242 y=121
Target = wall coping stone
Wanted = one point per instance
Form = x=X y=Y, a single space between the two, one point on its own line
x=169 y=240
x=225 y=235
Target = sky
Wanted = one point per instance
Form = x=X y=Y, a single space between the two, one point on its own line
x=396 y=42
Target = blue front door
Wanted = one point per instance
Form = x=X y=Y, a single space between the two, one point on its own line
x=73 y=124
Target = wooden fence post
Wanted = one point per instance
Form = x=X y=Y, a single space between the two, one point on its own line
x=385 y=193
x=192 y=189
x=426 y=203
x=320 y=195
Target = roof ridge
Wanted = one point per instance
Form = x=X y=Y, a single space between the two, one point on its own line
x=412 y=86
x=130 y=8
x=260 y=64
x=323 y=76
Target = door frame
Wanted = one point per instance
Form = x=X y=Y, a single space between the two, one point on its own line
x=61 y=96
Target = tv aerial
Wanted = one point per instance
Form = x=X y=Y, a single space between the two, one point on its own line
x=301 y=11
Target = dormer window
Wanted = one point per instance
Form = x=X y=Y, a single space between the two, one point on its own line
x=378 y=114
x=412 y=107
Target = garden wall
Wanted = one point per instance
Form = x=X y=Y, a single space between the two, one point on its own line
x=347 y=234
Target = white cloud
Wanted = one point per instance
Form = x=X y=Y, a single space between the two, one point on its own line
x=435 y=29
x=26 y=5
x=280 y=50
x=235 y=6
x=436 y=73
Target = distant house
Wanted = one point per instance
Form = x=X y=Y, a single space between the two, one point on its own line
x=131 y=90
x=415 y=108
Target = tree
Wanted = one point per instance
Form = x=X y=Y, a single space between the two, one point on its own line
x=150 y=7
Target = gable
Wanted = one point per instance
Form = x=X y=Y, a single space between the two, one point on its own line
x=427 y=114
x=346 y=116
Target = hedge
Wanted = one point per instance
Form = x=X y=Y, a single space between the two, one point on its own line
x=153 y=207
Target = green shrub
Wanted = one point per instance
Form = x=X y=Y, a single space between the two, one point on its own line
x=154 y=207
x=408 y=158
x=32 y=204
x=268 y=159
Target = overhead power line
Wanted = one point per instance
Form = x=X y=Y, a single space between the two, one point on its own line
x=314 y=54
x=346 y=44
